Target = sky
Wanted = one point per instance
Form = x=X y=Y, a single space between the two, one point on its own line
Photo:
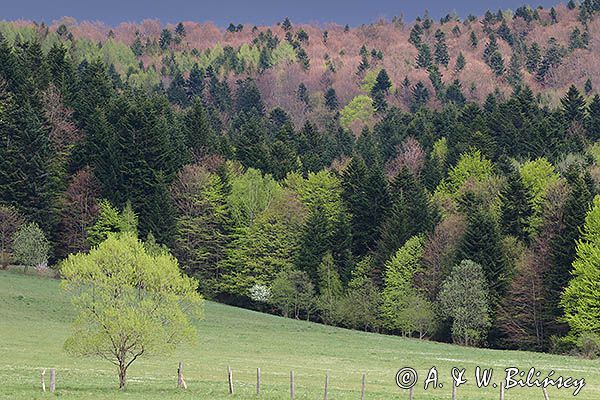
x=259 y=12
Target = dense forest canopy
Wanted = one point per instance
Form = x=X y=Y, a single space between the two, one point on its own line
x=432 y=179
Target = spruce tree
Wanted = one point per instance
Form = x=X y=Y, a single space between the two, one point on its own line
x=199 y=134
x=534 y=56
x=195 y=82
x=310 y=147
x=25 y=159
x=409 y=215
x=490 y=48
x=496 y=63
x=420 y=96
x=441 y=49
x=593 y=125
x=424 y=57
x=516 y=207
x=250 y=141
x=481 y=243
x=331 y=100
x=177 y=92
x=315 y=241
x=588 y=86
x=573 y=105
x=460 y=62
x=365 y=195
x=382 y=83
x=473 y=39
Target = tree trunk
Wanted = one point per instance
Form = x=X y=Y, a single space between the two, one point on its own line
x=122 y=377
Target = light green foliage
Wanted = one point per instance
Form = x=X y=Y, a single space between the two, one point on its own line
x=538 y=175
x=594 y=151
x=144 y=79
x=369 y=80
x=403 y=307
x=472 y=169
x=284 y=52
x=321 y=189
x=111 y=221
x=330 y=290
x=11 y=32
x=360 y=109
x=120 y=55
x=471 y=166
x=251 y=193
x=185 y=60
x=581 y=298
x=30 y=246
x=128 y=303
x=84 y=49
x=439 y=152
x=265 y=248
x=249 y=55
x=464 y=300
x=211 y=55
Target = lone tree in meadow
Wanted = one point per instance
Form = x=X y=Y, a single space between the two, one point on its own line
x=129 y=303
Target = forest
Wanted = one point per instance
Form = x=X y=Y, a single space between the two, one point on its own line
x=443 y=187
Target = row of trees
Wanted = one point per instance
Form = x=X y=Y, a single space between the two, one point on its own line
x=454 y=224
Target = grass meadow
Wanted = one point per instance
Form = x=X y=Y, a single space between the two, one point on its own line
x=35 y=319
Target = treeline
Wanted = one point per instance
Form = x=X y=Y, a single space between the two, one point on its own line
x=453 y=224
x=308 y=69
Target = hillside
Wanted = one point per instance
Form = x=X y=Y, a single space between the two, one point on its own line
x=39 y=316
x=547 y=49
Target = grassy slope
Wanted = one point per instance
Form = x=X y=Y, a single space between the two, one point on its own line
x=35 y=318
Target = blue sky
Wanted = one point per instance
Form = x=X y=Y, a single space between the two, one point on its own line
x=246 y=11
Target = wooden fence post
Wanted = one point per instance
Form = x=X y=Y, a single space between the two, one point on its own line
x=230 y=380
x=52 y=380
x=546 y=397
x=364 y=383
x=43 y=378
x=326 y=395
x=292 y=385
x=180 y=380
x=258 y=381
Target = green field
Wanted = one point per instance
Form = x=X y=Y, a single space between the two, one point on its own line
x=35 y=318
